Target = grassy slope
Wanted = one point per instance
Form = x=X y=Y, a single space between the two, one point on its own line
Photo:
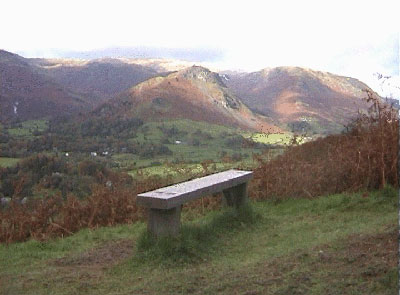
x=209 y=149
x=26 y=130
x=342 y=244
x=8 y=162
x=180 y=171
x=28 y=127
x=283 y=139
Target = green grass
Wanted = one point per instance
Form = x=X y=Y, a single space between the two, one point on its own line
x=190 y=126
x=212 y=144
x=197 y=241
x=274 y=138
x=27 y=128
x=295 y=246
x=151 y=131
x=163 y=170
x=280 y=139
x=8 y=162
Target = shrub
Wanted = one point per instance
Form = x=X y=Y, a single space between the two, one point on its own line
x=52 y=216
x=363 y=158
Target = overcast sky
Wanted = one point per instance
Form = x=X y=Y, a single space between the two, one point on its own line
x=354 y=38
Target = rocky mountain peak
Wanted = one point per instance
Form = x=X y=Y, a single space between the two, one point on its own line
x=202 y=74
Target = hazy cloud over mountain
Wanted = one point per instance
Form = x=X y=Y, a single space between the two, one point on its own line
x=342 y=37
x=188 y=54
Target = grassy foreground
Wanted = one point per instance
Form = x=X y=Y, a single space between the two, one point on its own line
x=341 y=244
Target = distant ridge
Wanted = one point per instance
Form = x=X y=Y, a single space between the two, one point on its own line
x=194 y=93
x=271 y=100
x=292 y=95
x=26 y=92
x=98 y=79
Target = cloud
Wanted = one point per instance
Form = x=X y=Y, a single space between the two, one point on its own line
x=188 y=54
x=343 y=37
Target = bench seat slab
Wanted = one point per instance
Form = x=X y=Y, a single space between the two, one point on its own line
x=178 y=194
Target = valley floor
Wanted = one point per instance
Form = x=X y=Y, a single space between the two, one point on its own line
x=341 y=244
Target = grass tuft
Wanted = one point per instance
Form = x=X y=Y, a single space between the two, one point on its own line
x=389 y=192
x=196 y=242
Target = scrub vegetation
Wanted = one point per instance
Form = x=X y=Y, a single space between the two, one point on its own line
x=322 y=216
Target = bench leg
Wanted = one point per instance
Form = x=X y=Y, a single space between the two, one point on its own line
x=164 y=222
x=236 y=196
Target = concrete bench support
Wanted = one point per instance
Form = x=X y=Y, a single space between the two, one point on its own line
x=236 y=196
x=164 y=222
x=165 y=204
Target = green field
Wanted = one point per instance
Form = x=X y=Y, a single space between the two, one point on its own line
x=27 y=128
x=274 y=138
x=164 y=170
x=8 y=162
x=179 y=172
x=191 y=143
x=341 y=244
x=214 y=130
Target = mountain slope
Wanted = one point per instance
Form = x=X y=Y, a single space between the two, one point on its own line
x=292 y=95
x=26 y=92
x=99 y=79
x=195 y=93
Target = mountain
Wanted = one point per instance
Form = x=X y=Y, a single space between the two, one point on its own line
x=194 y=93
x=99 y=79
x=26 y=92
x=300 y=98
x=293 y=98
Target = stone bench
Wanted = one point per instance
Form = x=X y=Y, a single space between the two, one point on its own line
x=165 y=204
